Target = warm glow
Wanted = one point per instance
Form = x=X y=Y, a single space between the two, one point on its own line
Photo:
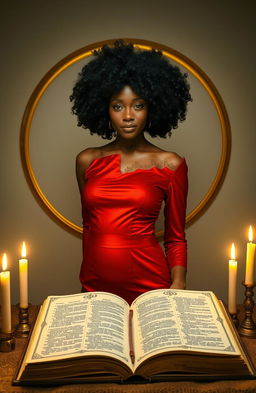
x=232 y=264
x=4 y=262
x=250 y=234
x=23 y=250
x=233 y=251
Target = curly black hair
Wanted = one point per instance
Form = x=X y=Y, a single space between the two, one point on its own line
x=162 y=85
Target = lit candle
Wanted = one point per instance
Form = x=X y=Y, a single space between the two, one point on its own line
x=5 y=297
x=23 y=273
x=232 y=279
x=249 y=270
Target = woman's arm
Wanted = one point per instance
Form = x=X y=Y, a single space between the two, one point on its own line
x=178 y=274
x=83 y=160
x=175 y=215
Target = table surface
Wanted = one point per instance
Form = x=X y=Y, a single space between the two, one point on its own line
x=9 y=362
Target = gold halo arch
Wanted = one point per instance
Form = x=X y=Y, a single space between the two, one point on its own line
x=86 y=51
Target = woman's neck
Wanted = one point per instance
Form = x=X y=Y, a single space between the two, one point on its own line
x=130 y=146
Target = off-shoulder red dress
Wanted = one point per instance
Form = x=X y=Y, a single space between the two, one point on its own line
x=120 y=252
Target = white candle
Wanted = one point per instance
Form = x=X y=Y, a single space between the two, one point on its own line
x=249 y=270
x=23 y=275
x=5 y=297
x=232 y=280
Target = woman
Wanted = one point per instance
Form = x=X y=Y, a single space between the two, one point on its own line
x=125 y=93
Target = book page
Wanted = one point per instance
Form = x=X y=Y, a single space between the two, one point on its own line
x=94 y=323
x=180 y=320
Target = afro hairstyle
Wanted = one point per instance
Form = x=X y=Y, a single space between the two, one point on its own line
x=162 y=85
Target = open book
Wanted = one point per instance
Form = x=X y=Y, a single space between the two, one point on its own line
x=165 y=334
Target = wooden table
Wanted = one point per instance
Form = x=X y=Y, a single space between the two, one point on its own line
x=9 y=362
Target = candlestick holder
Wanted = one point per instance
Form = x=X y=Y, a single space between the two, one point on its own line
x=7 y=342
x=235 y=319
x=248 y=327
x=23 y=327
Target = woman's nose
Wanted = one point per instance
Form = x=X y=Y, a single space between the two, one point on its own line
x=128 y=115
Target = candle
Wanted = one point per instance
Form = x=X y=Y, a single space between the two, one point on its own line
x=5 y=297
x=232 y=279
x=23 y=275
x=249 y=270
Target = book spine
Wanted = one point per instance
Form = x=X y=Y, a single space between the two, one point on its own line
x=132 y=354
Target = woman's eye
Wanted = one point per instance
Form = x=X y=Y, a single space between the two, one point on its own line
x=117 y=107
x=139 y=106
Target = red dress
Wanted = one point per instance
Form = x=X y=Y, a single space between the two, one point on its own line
x=120 y=252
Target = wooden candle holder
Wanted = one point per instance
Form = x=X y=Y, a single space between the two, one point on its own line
x=248 y=327
x=23 y=327
x=235 y=319
x=7 y=342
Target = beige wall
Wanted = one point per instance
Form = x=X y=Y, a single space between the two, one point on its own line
x=218 y=36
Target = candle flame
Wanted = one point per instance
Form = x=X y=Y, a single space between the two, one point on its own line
x=233 y=251
x=250 y=234
x=4 y=262
x=23 y=250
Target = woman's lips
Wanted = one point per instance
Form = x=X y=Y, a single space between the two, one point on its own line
x=129 y=128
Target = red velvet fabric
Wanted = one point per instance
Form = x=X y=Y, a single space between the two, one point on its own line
x=120 y=252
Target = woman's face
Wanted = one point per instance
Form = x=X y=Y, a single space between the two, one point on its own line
x=128 y=113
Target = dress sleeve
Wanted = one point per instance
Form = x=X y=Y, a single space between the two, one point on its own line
x=175 y=243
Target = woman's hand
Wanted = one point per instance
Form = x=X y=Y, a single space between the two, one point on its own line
x=178 y=285
x=178 y=277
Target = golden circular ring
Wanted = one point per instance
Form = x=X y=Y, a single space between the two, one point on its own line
x=143 y=45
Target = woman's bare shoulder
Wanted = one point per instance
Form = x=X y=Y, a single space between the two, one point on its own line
x=170 y=159
x=85 y=157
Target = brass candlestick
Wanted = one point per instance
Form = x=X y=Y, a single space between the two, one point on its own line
x=23 y=327
x=248 y=327
x=235 y=319
x=7 y=342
